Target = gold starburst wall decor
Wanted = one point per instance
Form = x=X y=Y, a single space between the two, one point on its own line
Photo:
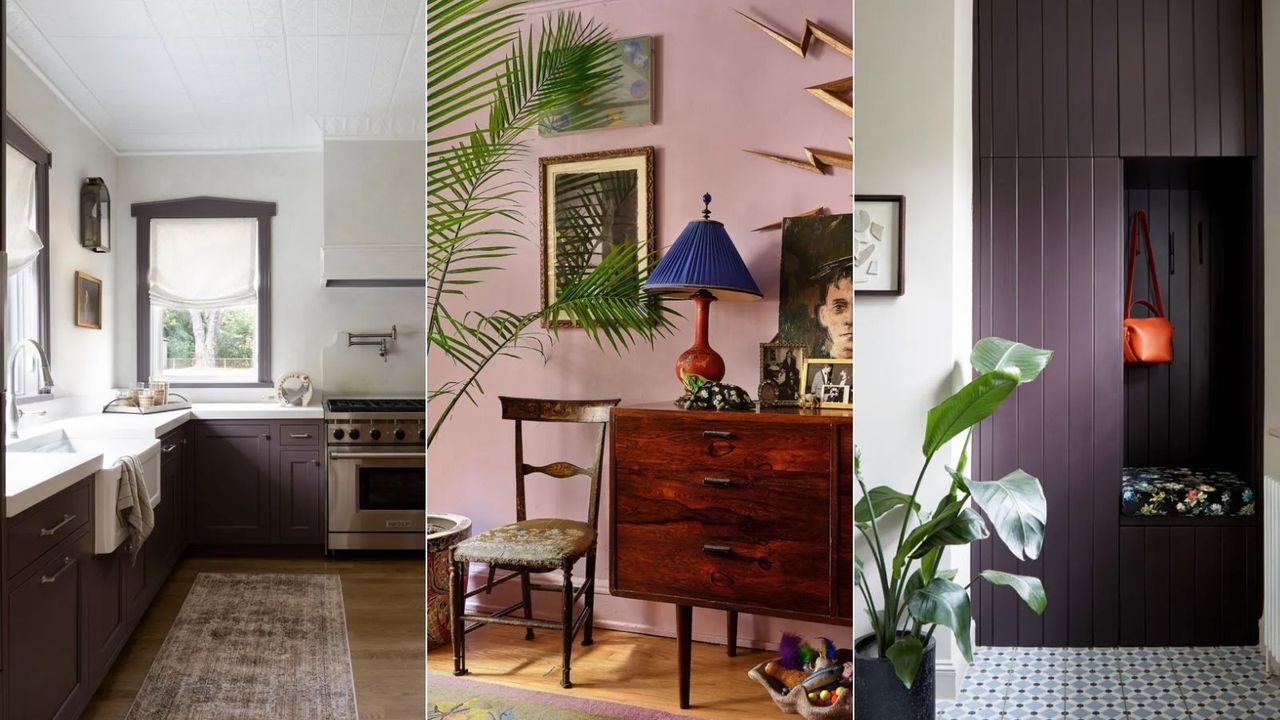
x=811 y=30
x=815 y=161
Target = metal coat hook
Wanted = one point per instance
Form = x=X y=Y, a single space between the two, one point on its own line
x=381 y=340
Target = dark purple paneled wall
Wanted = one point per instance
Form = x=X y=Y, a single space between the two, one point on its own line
x=1064 y=91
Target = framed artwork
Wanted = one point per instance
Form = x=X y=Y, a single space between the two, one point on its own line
x=879 y=231
x=627 y=102
x=592 y=204
x=815 y=299
x=88 y=301
x=830 y=380
x=781 y=365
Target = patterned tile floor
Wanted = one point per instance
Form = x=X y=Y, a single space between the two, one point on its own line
x=1180 y=683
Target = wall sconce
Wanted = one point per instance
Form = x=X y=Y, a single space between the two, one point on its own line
x=95 y=215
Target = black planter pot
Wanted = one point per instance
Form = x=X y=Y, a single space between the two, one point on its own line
x=878 y=694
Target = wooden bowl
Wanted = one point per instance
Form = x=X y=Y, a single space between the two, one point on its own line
x=797 y=703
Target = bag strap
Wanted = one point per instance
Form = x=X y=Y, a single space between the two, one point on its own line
x=1141 y=216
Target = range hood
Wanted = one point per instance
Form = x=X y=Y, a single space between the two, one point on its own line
x=374 y=265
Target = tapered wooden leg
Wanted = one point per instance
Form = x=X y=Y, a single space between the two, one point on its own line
x=567 y=618
x=589 y=599
x=457 y=606
x=528 y=604
x=684 y=643
x=732 y=632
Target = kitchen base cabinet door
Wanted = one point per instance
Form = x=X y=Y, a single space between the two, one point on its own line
x=300 y=496
x=232 y=502
x=48 y=629
x=108 y=613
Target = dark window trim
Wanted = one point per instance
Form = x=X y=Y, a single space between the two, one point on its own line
x=205 y=207
x=26 y=143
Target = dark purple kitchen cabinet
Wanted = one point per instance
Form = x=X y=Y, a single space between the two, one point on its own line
x=48 y=618
x=231 y=500
x=109 y=624
x=165 y=545
x=299 y=497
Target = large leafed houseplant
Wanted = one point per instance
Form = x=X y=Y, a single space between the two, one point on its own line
x=915 y=595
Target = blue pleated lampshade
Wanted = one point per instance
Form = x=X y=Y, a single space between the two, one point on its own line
x=703 y=258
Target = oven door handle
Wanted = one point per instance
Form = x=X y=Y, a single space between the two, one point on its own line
x=377 y=455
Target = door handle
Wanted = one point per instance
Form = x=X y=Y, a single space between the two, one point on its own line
x=375 y=455
x=67 y=562
x=46 y=532
x=169 y=448
x=299 y=436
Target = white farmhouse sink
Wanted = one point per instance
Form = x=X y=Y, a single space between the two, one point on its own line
x=109 y=532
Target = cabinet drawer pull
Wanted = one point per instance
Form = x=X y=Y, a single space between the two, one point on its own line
x=46 y=532
x=66 y=565
x=718 y=434
x=717 y=549
x=169 y=448
x=717 y=482
x=299 y=436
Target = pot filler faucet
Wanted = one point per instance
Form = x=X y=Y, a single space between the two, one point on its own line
x=12 y=414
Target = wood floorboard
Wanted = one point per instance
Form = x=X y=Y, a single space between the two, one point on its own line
x=385 y=629
x=621 y=667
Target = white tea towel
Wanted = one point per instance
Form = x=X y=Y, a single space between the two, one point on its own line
x=133 y=504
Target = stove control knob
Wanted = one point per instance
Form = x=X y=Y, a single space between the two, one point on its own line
x=422 y=434
x=338 y=434
x=399 y=433
x=354 y=434
x=375 y=434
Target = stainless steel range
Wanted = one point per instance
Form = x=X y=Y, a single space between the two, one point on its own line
x=377 y=473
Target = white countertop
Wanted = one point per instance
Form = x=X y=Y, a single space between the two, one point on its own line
x=31 y=477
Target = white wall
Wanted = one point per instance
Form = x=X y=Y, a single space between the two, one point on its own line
x=306 y=317
x=913 y=137
x=1271 y=238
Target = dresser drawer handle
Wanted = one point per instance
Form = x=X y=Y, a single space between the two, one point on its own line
x=717 y=549
x=169 y=448
x=66 y=565
x=46 y=532
x=717 y=482
x=717 y=434
x=299 y=436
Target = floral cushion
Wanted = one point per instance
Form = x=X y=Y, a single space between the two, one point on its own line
x=1183 y=492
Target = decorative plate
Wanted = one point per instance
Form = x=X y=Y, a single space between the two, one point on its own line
x=294 y=388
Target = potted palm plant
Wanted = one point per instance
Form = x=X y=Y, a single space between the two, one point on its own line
x=894 y=664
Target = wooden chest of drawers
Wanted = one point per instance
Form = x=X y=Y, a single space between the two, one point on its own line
x=743 y=512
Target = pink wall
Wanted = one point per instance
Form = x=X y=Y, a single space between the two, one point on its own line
x=722 y=86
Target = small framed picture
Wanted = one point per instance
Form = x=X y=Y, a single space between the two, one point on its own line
x=879 y=234
x=781 y=365
x=88 y=301
x=830 y=380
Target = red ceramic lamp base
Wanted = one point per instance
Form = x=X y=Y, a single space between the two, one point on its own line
x=700 y=359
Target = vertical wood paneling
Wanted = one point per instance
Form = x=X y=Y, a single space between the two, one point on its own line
x=1133 y=597
x=1106 y=89
x=1231 y=75
x=1004 y=323
x=1108 y=380
x=1179 y=314
x=1208 y=588
x=1056 y=379
x=1182 y=586
x=1136 y=380
x=1205 y=31
x=1198 y=328
x=1157 y=407
x=1249 y=40
x=1080 y=409
x=980 y=553
x=1029 y=400
x=1253 y=591
x=1182 y=78
x=1054 y=48
x=1236 y=616
x=1079 y=78
x=1030 y=92
x=984 y=81
x=1004 y=78
x=1155 y=85
x=1156 y=568
x=1131 y=77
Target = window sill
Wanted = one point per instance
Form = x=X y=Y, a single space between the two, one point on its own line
x=254 y=384
x=33 y=399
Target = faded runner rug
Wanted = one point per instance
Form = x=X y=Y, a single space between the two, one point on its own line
x=253 y=647
x=460 y=698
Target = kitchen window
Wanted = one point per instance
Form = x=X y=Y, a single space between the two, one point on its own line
x=204 y=269
x=26 y=314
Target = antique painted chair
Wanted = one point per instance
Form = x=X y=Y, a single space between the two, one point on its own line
x=538 y=545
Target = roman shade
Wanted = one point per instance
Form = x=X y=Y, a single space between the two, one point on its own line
x=203 y=263
x=21 y=237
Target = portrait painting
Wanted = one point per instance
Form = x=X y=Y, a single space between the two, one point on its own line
x=88 y=301
x=815 y=303
x=781 y=366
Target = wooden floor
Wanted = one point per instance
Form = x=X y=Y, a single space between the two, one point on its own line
x=385 y=627
x=621 y=667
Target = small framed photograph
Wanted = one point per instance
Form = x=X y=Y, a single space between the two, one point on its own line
x=88 y=301
x=879 y=232
x=830 y=380
x=781 y=365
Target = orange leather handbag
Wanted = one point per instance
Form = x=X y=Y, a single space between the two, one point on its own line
x=1148 y=340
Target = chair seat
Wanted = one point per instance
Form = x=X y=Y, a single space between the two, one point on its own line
x=540 y=545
